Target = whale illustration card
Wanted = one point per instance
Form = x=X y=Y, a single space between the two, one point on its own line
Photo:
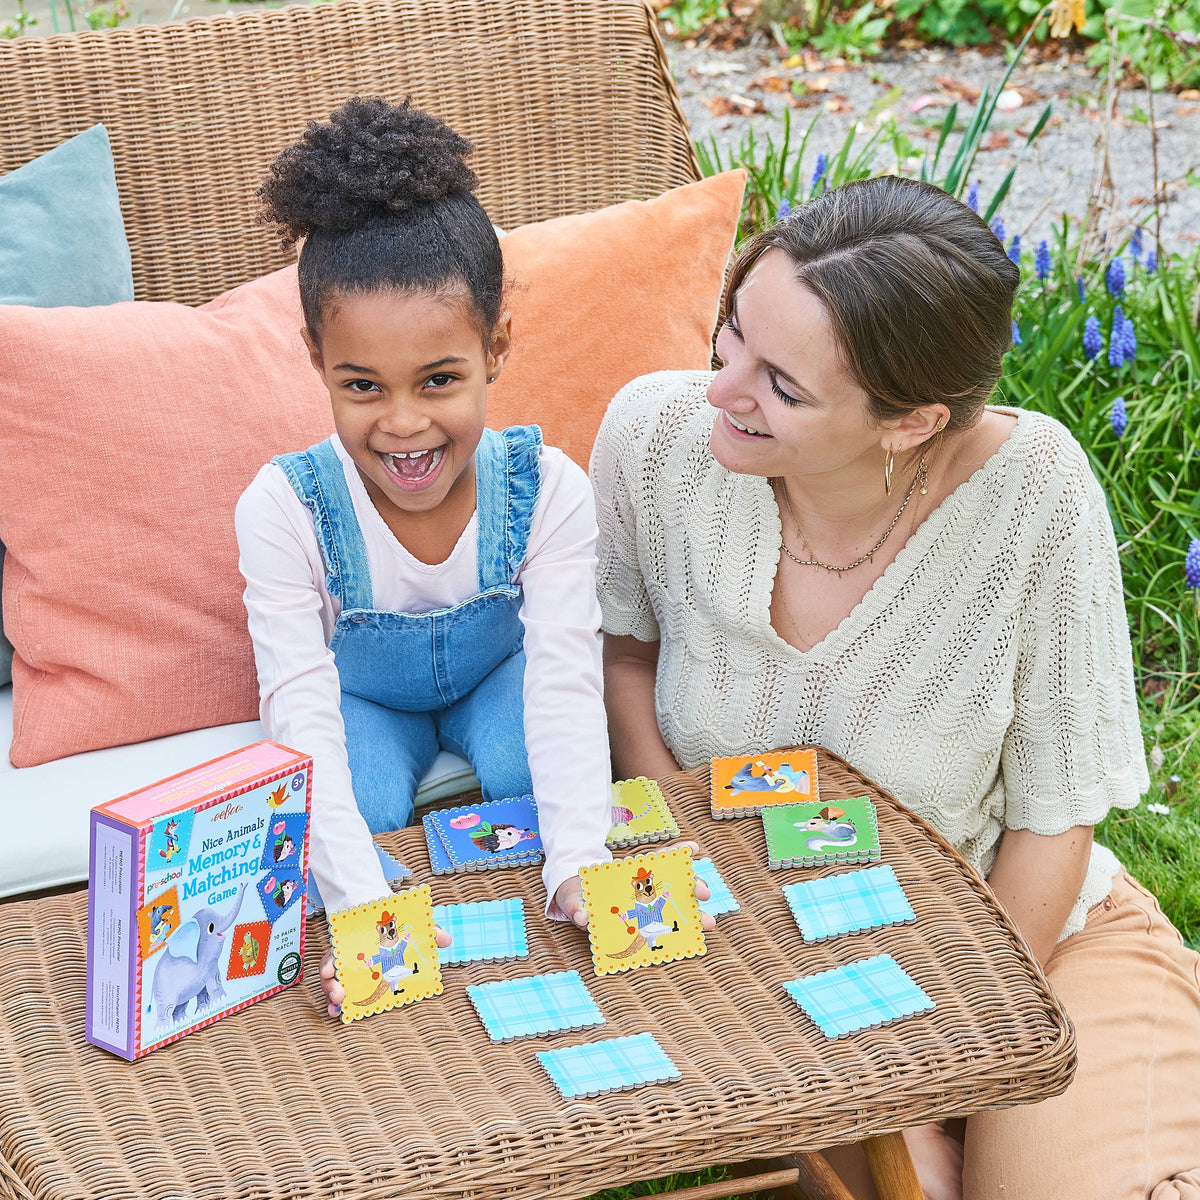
x=484 y=836
x=747 y=784
x=639 y=814
x=642 y=910
x=816 y=835
x=385 y=953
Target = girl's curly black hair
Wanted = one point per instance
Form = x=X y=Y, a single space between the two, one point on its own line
x=382 y=198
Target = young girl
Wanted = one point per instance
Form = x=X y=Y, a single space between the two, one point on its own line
x=418 y=581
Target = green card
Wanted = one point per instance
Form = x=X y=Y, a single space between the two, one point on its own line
x=821 y=832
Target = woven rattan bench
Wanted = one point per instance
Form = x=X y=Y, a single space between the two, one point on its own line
x=278 y=1101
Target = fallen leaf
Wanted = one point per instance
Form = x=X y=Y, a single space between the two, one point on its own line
x=996 y=140
x=822 y=83
x=910 y=43
x=734 y=106
x=927 y=101
x=796 y=60
x=838 y=104
x=769 y=83
x=1028 y=95
x=805 y=101
x=1187 y=110
x=1190 y=94
x=720 y=106
x=957 y=89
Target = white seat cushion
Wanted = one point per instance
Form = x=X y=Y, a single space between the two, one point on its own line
x=44 y=810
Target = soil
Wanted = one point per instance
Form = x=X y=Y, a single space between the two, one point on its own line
x=727 y=93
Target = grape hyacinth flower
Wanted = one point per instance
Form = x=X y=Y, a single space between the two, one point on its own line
x=785 y=208
x=1116 y=339
x=1120 y=419
x=1191 y=564
x=973 y=197
x=1128 y=341
x=1114 y=277
x=1080 y=289
x=1014 y=250
x=998 y=230
x=1151 y=263
x=1041 y=261
x=1093 y=342
x=1016 y=338
x=1135 y=244
x=821 y=168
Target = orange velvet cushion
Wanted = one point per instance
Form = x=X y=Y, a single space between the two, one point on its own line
x=128 y=432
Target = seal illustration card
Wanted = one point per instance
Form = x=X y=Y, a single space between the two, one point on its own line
x=614 y=1065
x=642 y=910
x=519 y=1008
x=394 y=871
x=861 y=995
x=482 y=932
x=639 y=814
x=816 y=834
x=846 y=903
x=385 y=953
x=749 y=783
x=490 y=834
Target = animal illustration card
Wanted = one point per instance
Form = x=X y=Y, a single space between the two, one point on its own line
x=613 y=1065
x=482 y=932
x=385 y=953
x=838 y=904
x=394 y=871
x=749 y=783
x=816 y=834
x=487 y=835
x=519 y=1008
x=639 y=814
x=642 y=910
x=860 y=995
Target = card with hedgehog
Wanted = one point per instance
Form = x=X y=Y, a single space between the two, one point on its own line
x=642 y=910
x=385 y=953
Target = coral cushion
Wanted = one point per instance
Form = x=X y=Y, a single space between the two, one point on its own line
x=128 y=433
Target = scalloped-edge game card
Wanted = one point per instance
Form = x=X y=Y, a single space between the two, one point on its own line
x=860 y=995
x=511 y=1009
x=639 y=814
x=744 y=785
x=385 y=953
x=870 y=898
x=394 y=871
x=484 y=836
x=485 y=931
x=642 y=910
x=720 y=900
x=613 y=1065
x=818 y=835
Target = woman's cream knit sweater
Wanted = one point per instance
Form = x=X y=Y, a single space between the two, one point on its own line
x=985 y=679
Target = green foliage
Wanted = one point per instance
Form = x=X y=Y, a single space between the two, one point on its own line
x=20 y=22
x=859 y=34
x=106 y=15
x=1160 y=41
x=688 y=17
x=655 y=1187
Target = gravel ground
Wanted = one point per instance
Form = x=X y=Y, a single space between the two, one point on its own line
x=1057 y=174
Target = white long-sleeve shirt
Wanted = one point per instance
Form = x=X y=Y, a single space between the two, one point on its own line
x=291 y=618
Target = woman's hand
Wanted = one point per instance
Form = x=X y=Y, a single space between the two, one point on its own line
x=335 y=993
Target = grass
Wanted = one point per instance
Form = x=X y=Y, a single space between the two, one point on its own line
x=669 y=1183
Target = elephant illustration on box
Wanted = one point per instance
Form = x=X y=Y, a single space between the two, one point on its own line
x=189 y=967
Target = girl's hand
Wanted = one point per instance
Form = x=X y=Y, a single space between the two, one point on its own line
x=335 y=993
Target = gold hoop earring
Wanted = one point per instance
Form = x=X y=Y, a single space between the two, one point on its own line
x=889 y=466
x=941 y=422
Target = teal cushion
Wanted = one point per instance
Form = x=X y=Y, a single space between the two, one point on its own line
x=62 y=241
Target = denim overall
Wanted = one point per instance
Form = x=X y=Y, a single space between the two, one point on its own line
x=451 y=678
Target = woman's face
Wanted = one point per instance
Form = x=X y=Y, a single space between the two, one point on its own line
x=786 y=404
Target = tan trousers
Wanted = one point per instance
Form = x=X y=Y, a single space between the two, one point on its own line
x=1128 y=1127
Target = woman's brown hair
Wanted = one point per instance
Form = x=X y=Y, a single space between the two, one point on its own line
x=918 y=289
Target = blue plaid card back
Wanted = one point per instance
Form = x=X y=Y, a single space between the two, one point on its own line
x=721 y=898
x=490 y=929
x=521 y=1008
x=615 y=1065
x=866 y=899
x=861 y=995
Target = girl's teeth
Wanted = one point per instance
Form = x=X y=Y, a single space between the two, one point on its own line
x=415 y=465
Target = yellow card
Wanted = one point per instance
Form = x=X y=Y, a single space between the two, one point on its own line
x=746 y=784
x=639 y=814
x=385 y=953
x=642 y=910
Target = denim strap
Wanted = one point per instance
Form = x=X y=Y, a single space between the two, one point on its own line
x=507 y=482
x=317 y=477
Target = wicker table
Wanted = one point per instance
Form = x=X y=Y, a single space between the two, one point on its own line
x=279 y=1101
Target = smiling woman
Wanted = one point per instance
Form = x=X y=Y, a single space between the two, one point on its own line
x=834 y=540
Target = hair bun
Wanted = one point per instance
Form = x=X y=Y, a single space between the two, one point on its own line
x=371 y=158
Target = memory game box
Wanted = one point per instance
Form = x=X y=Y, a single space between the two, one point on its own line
x=196 y=897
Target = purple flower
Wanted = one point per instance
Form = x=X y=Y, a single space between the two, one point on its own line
x=1041 y=260
x=785 y=207
x=1114 y=277
x=973 y=197
x=1081 y=289
x=1014 y=250
x=1191 y=564
x=821 y=168
x=1120 y=418
x=1116 y=339
x=998 y=230
x=1151 y=263
x=1093 y=342
x=1128 y=341
x=1016 y=338
x=1135 y=244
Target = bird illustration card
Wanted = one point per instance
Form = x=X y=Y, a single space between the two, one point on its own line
x=747 y=784
x=487 y=835
x=839 y=904
x=385 y=953
x=639 y=814
x=642 y=910
x=816 y=834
